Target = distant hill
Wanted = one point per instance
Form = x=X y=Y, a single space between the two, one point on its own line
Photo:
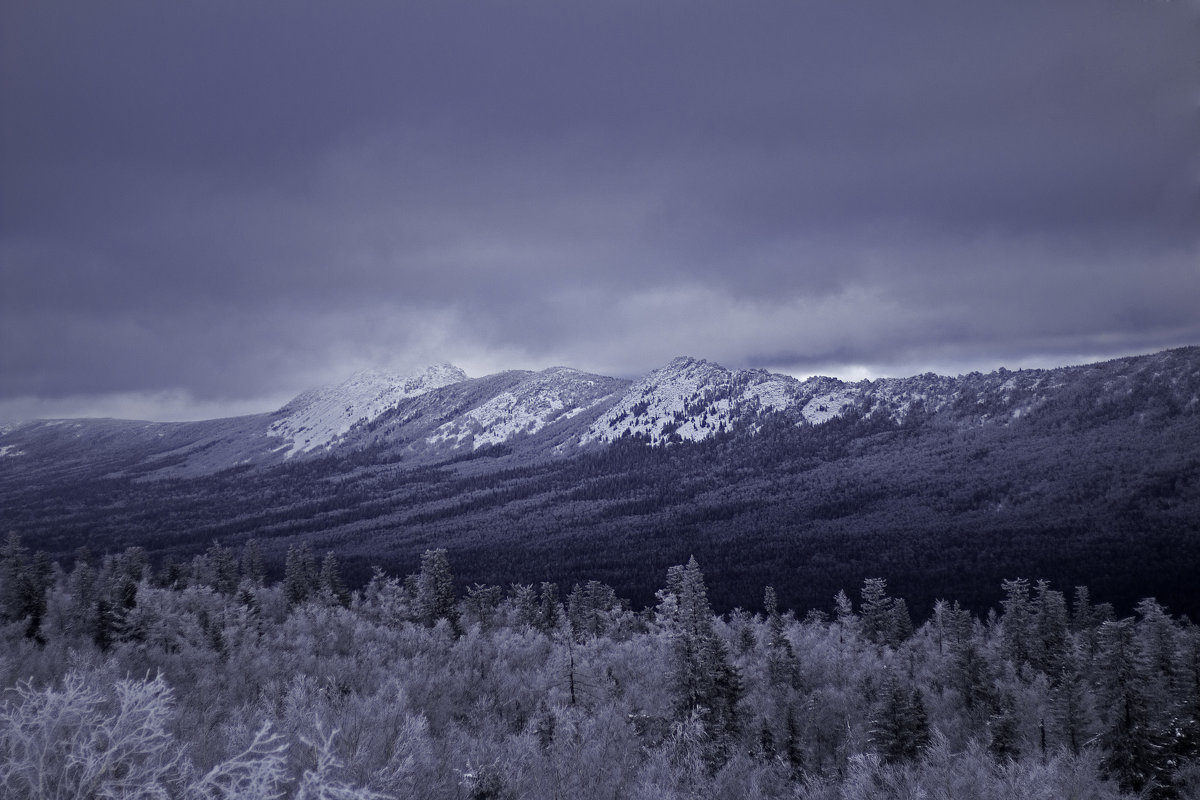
x=944 y=485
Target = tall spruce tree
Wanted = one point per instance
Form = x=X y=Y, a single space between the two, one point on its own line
x=331 y=581
x=876 y=610
x=1018 y=621
x=1052 y=630
x=704 y=679
x=435 y=591
x=899 y=726
x=1069 y=704
x=252 y=563
x=224 y=568
x=300 y=578
x=1133 y=745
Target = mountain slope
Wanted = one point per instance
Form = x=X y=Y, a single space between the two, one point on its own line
x=944 y=485
x=319 y=418
x=537 y=413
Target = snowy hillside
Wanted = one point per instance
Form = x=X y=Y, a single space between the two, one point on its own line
x=440 y=413
x=543 y=398
x=692 y=399
x=318 y=418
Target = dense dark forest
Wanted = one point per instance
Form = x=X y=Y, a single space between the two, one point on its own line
x=205 y=679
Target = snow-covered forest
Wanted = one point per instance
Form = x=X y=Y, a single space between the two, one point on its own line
x=204 y=680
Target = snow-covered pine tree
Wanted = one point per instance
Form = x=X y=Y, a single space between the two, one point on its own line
x=704 y=679
x=899 y=726
x=1135 y=748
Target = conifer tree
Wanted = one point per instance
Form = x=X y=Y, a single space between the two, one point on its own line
x=704 y=679
x=899 y=728
x=252 y=563
x=885 y=619
x=23 y=585
x=876 y=610
x=1069 y=704
x=1134 y=747
x=14 y=560
x=330 y=580
x=548 y=607
x=224 y=568
x=81 y=586
x=105 y=624
x=971 y=674
x=782 y=666
x=524 y=602
x=435 y=590
x=901 y=622
x=775 y=621
x=591 y=608
x=482 y=600
x=1003 y=735
x=300 y=578
x=848 y=623
x=1156 y=636
x=1018 y=620
x=1081 y=610
x=1051 y=642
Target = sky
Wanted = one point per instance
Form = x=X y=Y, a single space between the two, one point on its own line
x=209 y=206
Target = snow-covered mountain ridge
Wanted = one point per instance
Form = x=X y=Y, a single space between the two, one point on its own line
x=440 y=413
x=692 y=399
x=531 y=405
x=319 y=417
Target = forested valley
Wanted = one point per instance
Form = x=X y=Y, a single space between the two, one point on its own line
x=206 y=680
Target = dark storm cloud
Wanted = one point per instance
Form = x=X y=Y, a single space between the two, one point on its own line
x=231 y=200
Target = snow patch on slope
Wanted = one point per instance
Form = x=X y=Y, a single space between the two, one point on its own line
x=320 y=417
x=830 y=405
x=542 y=399
x=692 y=400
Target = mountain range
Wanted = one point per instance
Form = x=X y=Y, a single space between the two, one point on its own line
x=562 y=474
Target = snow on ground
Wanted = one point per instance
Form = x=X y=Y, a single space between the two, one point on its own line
x=773 y=394
x=830 y=405
x=321 y=417
x=545 y=397
x=691 y=400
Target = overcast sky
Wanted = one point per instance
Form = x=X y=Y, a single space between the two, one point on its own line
x=207 y=206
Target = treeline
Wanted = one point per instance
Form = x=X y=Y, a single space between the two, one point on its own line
x=204 y=680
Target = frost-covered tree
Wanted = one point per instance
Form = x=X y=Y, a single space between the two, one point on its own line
x=224 y=566
x=594 y=610
x=1017 y=620
x=1072 y=710
x=78 y=741
x=435 y=590
x=300 y=578
x=885 y=619
x=548 y=607
x=1134 y=745
x=330 y=580
x=24 y=580
x=252 y=563
x=704 y=680
x=1051 y=629
x=899 y=726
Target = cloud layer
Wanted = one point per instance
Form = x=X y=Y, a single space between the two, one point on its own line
x=212 y=205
